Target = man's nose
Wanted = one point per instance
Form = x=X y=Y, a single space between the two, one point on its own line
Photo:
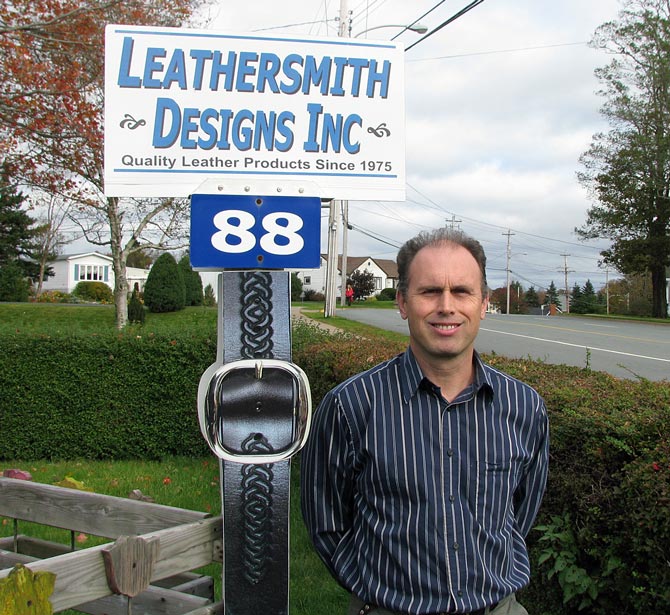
x=446 y=302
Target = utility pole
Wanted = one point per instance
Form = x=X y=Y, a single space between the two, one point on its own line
x=345 y=238
x=453 y=222
x=508 y=234
x=567 y=290
x=331 y=263
x=607 y=288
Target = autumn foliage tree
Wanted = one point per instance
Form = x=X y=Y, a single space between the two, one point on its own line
x=51 y=117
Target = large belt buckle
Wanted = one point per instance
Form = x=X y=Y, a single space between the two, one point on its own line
x=262 y=400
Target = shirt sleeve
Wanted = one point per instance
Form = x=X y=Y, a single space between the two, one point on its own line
x=529 y=493
x=327 y=479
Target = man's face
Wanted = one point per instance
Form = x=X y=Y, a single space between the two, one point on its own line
x=443 y=304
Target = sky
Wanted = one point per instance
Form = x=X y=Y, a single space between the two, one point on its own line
x=500 y=104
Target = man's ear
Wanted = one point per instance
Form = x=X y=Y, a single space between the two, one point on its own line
x=485 y=305
x=400 y=300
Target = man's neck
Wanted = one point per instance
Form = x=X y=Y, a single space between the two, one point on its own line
x=451 y=375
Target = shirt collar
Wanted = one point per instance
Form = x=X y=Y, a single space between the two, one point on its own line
x=415 y=376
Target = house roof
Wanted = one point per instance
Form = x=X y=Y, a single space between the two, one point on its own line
x=388 y=266
x=68 y=257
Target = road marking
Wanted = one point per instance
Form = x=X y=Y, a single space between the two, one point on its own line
x=610 y=335
x=540 y=339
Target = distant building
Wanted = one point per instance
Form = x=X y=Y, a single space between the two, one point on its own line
x=70 y=269
x=384 y=272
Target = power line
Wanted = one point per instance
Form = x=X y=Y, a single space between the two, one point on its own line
x=446 y=22
x=497 y=51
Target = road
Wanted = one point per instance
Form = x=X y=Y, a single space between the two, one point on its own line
x=625 y=349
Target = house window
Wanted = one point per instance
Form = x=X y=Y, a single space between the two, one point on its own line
x=308 y=279
x=90 y=272
x=378 y=283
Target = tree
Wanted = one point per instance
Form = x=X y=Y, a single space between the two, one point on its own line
x=627 y=170
x=631 y=295
x=164 y=290
x=363 y=283
x=209 y=298
x=192 y=282
x=51 y=118
x=552 y=294
x=16 y=226
x=13 y=284
x=49 y=238
x=577 y=305
x=517 y=304
x=296 y=287
x=531 y=298
x=140 y=257
x=136 y=313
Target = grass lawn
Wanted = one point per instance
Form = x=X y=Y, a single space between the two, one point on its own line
x=182 y=482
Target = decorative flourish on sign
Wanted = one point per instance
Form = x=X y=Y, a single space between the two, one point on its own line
x=256 y=509
x=130 y=122
x=380 y=131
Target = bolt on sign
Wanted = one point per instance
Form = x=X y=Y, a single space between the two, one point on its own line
x=185 y=106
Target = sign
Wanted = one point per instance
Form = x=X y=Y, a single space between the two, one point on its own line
x=247 y=232
x=185 y=106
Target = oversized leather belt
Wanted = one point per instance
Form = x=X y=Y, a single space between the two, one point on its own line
x=254 y=412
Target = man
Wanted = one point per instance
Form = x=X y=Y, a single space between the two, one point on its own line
x=423 y=475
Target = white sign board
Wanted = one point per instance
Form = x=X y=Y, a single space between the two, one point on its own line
x=184 y=107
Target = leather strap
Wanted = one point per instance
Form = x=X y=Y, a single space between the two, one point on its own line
x=259 y=419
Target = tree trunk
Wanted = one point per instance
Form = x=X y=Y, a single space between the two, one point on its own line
x=118 y=262
x=659 y=307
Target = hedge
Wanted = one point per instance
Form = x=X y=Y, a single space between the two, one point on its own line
x=602 y=540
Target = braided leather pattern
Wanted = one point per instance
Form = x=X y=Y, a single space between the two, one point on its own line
x=256 y=313
x=256 y=509
x=256 y=295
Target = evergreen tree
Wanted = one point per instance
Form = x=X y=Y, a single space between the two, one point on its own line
x=17 y=237
x=577 y=300
x=164 y=290
x=209 y=299
x=192 y=282
x=13 y=283
x=552 y=294
x=136 y=313
x=531 y=298
x=589 y=298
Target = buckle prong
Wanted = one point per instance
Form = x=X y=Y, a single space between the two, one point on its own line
x=259 y=370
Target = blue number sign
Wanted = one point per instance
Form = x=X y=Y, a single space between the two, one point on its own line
x=249 y=232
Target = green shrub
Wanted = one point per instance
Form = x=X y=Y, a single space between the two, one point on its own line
x=136 y=313
x=602 y=539
x=98 y=292
x=311 y=295
x=164 y=290
x=386 y=294
x=53 y=296
x=193 y=294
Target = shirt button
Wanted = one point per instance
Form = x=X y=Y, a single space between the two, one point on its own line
x=452 y=497
x=455 y=546
x=450 y=452
x=460 y=593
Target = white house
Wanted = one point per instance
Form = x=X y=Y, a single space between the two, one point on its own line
x=384 y=272
x=70 y=269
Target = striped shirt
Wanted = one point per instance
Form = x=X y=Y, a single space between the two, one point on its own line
x=420 y=505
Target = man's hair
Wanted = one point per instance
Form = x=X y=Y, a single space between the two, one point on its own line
x=438 y=237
